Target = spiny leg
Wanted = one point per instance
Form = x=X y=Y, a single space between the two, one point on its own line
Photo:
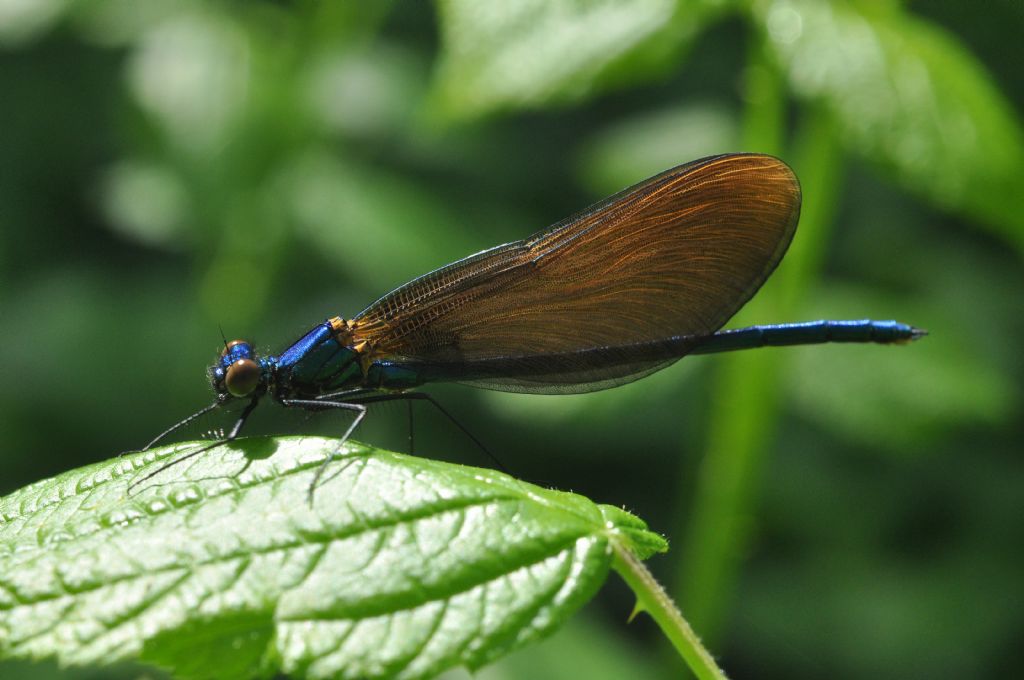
x=318 y=404
x=423 y=396
x=362 y=395
x=181 y=423
x=203 y=449
x=465 y=430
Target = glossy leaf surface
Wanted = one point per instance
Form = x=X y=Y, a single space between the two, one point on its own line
x=219 y=568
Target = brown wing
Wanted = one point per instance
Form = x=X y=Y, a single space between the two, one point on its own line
x=676 y=255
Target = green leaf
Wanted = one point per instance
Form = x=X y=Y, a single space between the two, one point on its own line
x=335 y=204
x=218 y=567
x=644 y=145
x=527 y=53
x=24 y=22
x=910 y=97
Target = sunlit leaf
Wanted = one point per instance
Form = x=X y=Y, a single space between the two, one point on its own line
x=639 y=147
x=908 y=96
x=365 y=93
x=192 y=73
x=220 y=568
x=22 y=21
x=522 y=54
x=373 y=223
x=147 y=202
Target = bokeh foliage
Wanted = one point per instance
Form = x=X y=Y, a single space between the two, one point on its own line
x=169 y=168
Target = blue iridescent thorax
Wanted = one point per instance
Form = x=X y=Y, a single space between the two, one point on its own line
x=316 y=364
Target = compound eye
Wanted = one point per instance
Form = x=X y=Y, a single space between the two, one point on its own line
x=242 y=377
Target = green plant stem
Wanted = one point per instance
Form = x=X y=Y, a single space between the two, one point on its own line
x=653 y=599
x=742 y=412
x=745 y=402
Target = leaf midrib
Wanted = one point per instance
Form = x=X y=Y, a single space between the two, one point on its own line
x=309 y=540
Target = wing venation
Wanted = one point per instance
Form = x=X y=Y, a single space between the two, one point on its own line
x=676 y=255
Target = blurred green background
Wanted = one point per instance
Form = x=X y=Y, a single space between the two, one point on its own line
x=169 y=169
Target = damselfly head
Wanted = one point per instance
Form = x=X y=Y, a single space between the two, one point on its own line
x=238 y=372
